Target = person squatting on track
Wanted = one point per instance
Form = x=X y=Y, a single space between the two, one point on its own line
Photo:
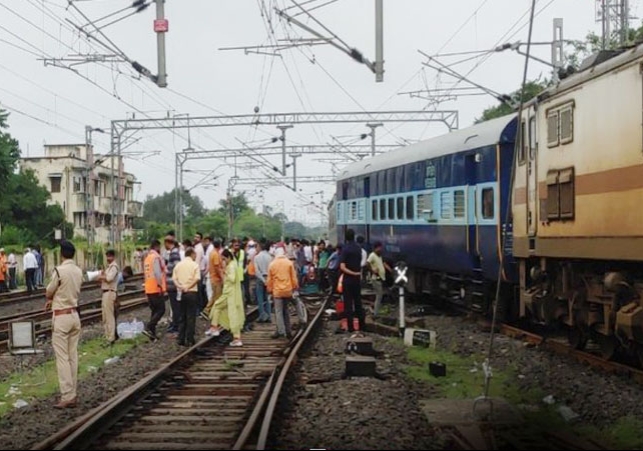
x=228 y=312
x=187 y=276
x=108 y=283
x=155 y=288
x=62 y=295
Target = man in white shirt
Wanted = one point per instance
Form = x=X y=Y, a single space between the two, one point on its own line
x=30 y=264
x=12 y=263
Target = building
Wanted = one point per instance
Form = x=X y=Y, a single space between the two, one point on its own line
x=65 y=169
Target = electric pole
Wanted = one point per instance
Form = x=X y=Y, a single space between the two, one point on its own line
x=161 y=27
x=373 y=126
x=379 y=41
x=283 y=129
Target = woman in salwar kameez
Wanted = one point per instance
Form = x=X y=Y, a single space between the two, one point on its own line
x=228 y=311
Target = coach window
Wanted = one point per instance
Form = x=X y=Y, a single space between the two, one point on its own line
x=382 y=209
x=391 y=208
x=409 y=208
x=458 y=204
x=400 y=208
x=374 y=210
x=487 y=203
x=446 y=205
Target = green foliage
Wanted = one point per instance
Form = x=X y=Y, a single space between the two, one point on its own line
x=532 y=89
x=161 y=208
x=9 y=152
x=91 y=357
x=26 y=218
x=593 y=43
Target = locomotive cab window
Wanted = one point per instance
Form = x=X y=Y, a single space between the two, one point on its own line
x=522 y=150
x=560 y=125
x=487 y=203
x=560 y=194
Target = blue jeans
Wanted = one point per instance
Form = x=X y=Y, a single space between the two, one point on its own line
x=262 y=301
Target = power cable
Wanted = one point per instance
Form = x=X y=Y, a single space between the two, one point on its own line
x=508 y=216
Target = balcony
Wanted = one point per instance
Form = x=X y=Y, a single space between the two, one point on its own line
x=135 y=209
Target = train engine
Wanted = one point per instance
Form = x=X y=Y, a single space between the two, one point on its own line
x=576 y=204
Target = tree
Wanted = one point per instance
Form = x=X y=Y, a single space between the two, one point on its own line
x=9 y=152
x=532 y=89
x=593 y=43
x=161 y=208
x=23 y=203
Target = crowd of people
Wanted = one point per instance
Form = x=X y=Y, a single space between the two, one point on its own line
x=208 y=278
x=33 y=264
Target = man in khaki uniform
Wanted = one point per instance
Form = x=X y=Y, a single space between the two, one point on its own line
x=108 y=284
x=62 y=297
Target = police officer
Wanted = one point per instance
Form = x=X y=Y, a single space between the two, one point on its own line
x=109 y=284
x=62 y=297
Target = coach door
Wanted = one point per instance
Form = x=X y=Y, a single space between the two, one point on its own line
x=471 y=209
x=532 y=173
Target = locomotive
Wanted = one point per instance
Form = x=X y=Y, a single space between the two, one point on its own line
x=554 y=221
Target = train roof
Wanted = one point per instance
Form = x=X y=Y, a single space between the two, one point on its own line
x=483 y=134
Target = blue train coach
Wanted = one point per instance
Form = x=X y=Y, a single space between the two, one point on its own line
x=441 y=206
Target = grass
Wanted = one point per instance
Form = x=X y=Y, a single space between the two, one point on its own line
x=32 y=385
x=465 y=379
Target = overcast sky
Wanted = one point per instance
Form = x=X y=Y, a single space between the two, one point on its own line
x=57 y=103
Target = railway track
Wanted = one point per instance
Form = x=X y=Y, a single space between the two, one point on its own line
x=18 y=297
x=89 y=312
x=210 y=397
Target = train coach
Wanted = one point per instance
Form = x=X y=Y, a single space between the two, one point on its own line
x=441 y=206
x=573 y=238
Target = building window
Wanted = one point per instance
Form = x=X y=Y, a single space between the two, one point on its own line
x=560 y=194
x=76 y=184
x=374 y=210
x=391 y=208
x=55 y=184
x=458 y=203
x=488 y=205
x=446 y=205
x=400 y=208
x=382 y=209
x=409 y=208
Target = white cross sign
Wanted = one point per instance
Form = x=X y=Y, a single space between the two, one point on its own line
x=401 y=275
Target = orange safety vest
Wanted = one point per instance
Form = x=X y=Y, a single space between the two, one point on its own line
x=251 y=266
x=3 y=268
x=151 y=284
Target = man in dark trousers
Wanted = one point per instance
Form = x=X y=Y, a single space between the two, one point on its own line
x=350 y=266
x=186 y=276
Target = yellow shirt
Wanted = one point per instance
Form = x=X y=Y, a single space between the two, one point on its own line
x=64 y=287
x=185 y=275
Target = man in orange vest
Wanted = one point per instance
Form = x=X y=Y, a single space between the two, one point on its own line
x=155 y=287
x=3 y=271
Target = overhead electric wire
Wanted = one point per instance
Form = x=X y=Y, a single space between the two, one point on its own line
x=508 y=216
